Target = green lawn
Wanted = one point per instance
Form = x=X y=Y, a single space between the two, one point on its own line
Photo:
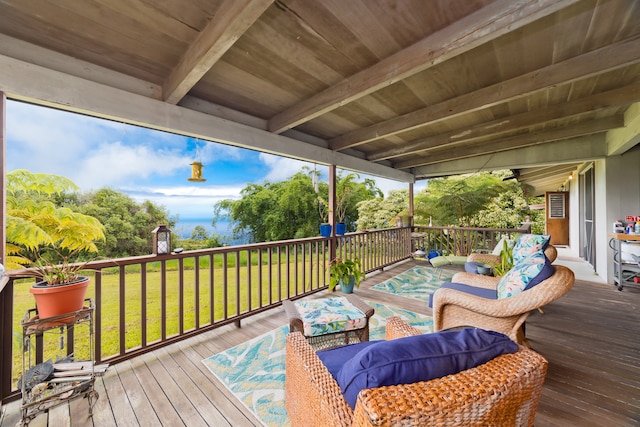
x=237 y=284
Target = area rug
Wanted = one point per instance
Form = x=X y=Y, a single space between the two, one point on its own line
x=417 y=282
x=254 y=371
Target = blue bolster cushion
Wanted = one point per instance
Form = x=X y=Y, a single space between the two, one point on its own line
x=473 y=290
x=413 y=359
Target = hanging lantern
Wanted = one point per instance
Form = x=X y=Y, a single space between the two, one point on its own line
x=161 y=240
x=196 y=172
x=196 y=168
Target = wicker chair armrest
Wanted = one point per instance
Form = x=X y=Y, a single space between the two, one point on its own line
x=551 y=252
x=547 y=291
x=479 y=280
x=484 y=258
x=510 y=385
x=398 y=328
x=361 y=305
x=312 y=395
x=295 y=320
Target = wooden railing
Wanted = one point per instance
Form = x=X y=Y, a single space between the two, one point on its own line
x=143 y=303
x=461 y=240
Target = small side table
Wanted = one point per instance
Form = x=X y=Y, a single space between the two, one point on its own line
x=330 y=322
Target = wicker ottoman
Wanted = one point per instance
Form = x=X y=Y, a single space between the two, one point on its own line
x=330 y=322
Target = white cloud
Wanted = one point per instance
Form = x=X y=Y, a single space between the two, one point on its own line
x=281 y=168
x=115 y=164
x=187 y=201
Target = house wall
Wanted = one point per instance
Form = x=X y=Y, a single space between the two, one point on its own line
x=620 y=197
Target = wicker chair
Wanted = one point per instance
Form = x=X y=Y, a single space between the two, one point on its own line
x=453 y=308
x=503 y=391
x=551 y=252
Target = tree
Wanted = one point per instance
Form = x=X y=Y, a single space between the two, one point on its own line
x=290 y=209
x=456 y=200
x=128 y=224
x=40 y=231
x=381 y=212
x=199 y=233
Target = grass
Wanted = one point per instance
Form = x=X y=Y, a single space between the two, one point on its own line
x=242 y=284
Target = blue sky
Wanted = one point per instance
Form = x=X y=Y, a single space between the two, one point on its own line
x=144 y=163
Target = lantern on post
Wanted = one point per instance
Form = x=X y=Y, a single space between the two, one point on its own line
x=161 y=240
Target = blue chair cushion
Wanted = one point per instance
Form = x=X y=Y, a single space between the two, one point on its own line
x=334 y=358
x=525 y=275
x=473 y=290
x=416 y=358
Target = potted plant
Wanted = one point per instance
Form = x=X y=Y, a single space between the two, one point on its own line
x=49 y=238
x=323 y=209
x=342 y=203
x=505 y=262
x=346 y=273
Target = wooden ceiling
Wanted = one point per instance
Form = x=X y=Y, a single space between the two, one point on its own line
x=407 y=89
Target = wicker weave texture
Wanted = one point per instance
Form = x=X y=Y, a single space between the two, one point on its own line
x=337 y=339
x=453 y=308
x=551 y=252
x=504 y=391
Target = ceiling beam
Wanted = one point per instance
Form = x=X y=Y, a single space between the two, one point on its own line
x=542 y=173
x=518 y=141
x=231 y=20
x=547 y=114
x=621 y=140
x=598 y=61
x=487 y=24
x=32 y=83
x=573 y=150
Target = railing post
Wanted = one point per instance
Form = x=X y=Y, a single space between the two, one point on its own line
x=6 y=337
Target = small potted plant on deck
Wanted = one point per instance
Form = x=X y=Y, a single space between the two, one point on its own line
x=49 y=238
x=346 y=273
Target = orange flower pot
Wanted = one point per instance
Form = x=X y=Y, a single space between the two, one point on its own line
x=55 y=300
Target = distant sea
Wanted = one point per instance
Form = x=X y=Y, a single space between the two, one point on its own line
x=185 y=227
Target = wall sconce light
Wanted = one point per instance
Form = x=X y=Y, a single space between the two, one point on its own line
x=161 y=240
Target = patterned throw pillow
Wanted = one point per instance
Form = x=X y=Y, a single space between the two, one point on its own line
x=529 y=244
x=525 y=275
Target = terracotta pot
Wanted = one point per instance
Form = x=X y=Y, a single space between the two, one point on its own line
x=55 y=300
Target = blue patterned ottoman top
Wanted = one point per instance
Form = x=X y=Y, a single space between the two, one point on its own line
x=330 y=315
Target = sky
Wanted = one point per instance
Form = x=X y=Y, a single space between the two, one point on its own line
x=143 y=163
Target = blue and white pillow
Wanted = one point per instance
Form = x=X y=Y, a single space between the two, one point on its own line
x=526 y=274
x=529 y=244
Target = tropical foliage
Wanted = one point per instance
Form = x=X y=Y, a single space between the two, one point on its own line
x=42 y=234
x=381 y=212
x=292 y=209
x=128 y=224
x=341 y=271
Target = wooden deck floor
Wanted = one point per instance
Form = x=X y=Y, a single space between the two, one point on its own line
x=591 y=338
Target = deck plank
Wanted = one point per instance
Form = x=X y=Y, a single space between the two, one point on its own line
x=589 y=337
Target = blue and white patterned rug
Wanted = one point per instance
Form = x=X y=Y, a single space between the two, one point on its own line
x=254 y=371
x=417 y=282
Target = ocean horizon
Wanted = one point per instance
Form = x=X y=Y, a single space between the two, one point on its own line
x=185 y=226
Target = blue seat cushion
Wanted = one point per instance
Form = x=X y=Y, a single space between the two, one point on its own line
x=473 y=290
x=416 y=358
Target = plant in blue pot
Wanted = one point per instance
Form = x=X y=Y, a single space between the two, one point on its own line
x=347 y=273
x=324 y=211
